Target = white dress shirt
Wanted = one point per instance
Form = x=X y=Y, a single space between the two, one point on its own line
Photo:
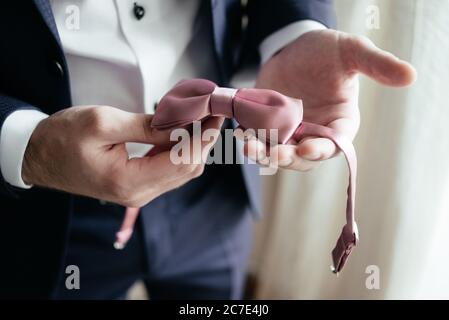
x=115 y=59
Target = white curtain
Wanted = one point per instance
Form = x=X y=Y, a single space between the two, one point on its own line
x=403 y=178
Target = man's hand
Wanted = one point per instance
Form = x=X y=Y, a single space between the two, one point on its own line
x=321 y=68
x=82 y=150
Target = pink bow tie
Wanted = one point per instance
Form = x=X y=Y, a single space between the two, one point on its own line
x=197 y=99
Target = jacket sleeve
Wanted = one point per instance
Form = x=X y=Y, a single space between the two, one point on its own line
x=268 y=16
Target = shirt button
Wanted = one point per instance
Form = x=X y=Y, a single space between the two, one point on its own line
x=139 y=11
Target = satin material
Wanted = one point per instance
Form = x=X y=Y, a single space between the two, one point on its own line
x=197 y=99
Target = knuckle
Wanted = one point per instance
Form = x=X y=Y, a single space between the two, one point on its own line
x=148 y=130
x=185 y=169
x=358 y=41
x=365 y=40
x=198 y=171
x=353 y=46
x=96 y=120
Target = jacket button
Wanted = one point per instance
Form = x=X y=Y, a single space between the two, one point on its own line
x=58 y=69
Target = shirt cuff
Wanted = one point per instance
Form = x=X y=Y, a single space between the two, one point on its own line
x=14 y=136
x=279 y=39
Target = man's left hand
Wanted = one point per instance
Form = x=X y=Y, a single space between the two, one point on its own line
x=322 y=68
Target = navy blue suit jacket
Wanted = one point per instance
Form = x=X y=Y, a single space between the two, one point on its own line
x=34 y=223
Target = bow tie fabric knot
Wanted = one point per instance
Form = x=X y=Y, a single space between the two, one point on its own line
x=197 y=99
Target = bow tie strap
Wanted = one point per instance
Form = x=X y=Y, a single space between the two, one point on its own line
x=350 y=234
x=127 y=228
x=346 y=242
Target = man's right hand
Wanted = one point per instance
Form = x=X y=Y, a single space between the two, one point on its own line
x=81 y=150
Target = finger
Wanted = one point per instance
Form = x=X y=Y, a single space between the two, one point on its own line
x=163 y=161
x=159 y=172
x=167 y=169
x=159 y=167
x=213 y=122
x=145 y=195
x=157 y=149
x=316 y=149
x=256 y=150
x=286 y=157
x=380 y=65
x=151 y=176
x=125 y=126
x=210 y=132
x=282 y=155
x=239 y=133
x=244 y=134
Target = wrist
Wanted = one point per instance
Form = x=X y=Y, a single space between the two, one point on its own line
x=32 y=171
x=283 y=37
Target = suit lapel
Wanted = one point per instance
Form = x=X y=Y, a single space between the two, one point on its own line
x=44 y=9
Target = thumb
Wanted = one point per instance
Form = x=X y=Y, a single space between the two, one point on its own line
x=136 y=127
x=377 y=64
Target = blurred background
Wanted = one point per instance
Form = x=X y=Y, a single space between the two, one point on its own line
x=403 y=179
